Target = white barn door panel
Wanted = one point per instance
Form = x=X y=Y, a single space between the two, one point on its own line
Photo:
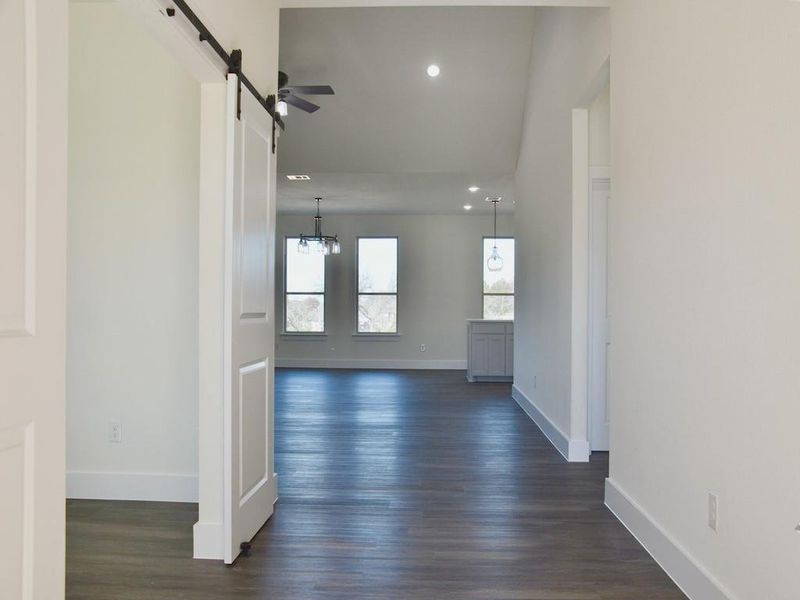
x=33 y=36
x=250 y=483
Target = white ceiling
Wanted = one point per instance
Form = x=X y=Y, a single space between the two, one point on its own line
x=392 y=139
x=394 y=193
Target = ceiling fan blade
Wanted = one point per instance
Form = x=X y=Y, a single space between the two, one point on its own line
x=301 y=103
x=309 y=90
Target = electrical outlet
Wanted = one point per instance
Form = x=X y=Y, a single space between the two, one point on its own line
x=422 y=348
x=713 y=511
x=115 y=432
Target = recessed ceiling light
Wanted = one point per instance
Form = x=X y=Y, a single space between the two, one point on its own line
x=468 y=207
x=473 y=188
x=433 y=70
x=298 y=177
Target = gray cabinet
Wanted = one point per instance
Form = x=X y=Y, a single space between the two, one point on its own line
x=490 y=352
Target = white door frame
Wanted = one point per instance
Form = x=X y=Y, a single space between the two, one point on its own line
x=580 y=446
x=181 y=41
x=598 y=338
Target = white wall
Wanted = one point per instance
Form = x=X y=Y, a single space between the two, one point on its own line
x=570 y=47
x=132 y=261
x=599 y=130
x=251 y=26
x=705 y=282
x=439 y=285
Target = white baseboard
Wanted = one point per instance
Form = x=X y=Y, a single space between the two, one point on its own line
x=572 y=450
x=369 y=363
x=161 y=487
x=579 y=451
x=208 y=536
x=208 y=541
x=673 y=558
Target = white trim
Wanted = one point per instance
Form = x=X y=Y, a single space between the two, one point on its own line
x=602 y=172
x=572 y=450
x=691 y=577
x=210 y=322
x=304 y=337
x=157 y=487
x=207 y=541
x=579 y=300
x=379 y=337
x=178 y=37
x=579 y=451
x=579 y=333
x=599 y=180
x=367 y=363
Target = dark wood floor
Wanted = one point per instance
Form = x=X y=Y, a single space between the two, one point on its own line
x=393 y=485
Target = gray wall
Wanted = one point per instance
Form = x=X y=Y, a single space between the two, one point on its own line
x=705 y=285
x=569 y=48
x=132 y=269
x=439 y=284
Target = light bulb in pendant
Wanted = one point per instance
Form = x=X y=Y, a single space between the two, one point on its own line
x=495 y=261
x=336 y=247
x=302 y=246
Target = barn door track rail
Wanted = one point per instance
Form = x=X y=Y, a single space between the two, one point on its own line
x=233 y=60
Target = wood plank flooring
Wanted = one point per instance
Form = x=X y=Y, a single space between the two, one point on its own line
x=395 y=485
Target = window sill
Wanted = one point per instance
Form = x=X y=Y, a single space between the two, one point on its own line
x=378 y=337
x=306 y=337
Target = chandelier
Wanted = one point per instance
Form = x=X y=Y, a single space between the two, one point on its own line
x=495 y=261
x=319 y=243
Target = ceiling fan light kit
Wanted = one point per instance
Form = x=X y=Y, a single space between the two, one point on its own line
x=319 y=243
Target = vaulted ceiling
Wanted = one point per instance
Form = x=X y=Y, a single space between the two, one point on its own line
x=393 y=139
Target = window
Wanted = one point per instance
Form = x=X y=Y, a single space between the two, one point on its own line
x=377 y=285
x=304 y=278
x=498 y=286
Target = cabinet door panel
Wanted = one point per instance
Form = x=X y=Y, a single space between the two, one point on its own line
x=479 y=355
x=496 y=354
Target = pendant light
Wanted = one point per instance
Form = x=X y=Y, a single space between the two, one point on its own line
x=319 y=243
x=495 y=261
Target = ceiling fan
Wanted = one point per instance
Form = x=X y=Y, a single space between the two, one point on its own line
x=287 y=94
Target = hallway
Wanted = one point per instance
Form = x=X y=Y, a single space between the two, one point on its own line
x=393 y=484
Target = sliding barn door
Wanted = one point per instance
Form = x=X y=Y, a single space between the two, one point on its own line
x=32 y=270
x=250 y=485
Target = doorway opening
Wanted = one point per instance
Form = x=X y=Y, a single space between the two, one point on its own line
x=598 y=309
x=132 y=266
x=598 y=315
x=591 y=181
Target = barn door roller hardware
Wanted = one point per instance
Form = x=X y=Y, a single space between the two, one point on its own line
x=233 y=60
